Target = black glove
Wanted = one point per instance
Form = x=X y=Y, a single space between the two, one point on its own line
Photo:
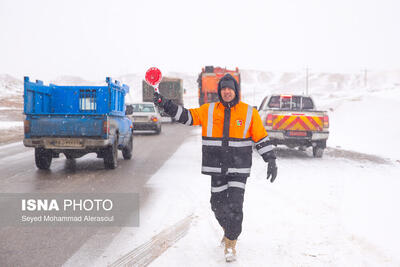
x=159 y=100
x=272 y=170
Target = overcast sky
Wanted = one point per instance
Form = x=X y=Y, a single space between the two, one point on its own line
x=94 y=39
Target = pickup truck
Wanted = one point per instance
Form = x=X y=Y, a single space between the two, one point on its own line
x=294 y=121
x=76 y=120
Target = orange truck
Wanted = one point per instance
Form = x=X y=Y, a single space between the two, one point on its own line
x=208 y=83
x=294 y=121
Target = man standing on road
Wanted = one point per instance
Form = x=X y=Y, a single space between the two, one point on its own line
x=229 y=129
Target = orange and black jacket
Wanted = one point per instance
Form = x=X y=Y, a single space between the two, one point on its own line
x=228 y=135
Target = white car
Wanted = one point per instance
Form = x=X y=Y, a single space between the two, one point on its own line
x=145 y=116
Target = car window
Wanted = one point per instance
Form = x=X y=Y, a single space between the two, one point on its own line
x=307 y=103
x=274 y=102
x=285 y=102
x=261 y=107
x=296 y=103
x=290 y=102
x=143 y=108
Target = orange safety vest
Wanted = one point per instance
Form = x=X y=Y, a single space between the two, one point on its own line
x=228 y=135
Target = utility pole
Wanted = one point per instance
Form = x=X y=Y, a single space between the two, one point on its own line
x=307 y=81
x=365 y=77
x=254 y=96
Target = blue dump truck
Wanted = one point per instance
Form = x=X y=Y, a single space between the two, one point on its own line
x=76 y=120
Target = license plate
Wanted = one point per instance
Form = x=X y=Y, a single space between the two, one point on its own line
x=67 y=143
x=140 y=119
x=291 y=133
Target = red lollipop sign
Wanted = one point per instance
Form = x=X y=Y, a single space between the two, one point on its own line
x=153 y=77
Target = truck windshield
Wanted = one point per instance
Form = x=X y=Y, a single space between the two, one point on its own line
x=143 y=108
x=291 y=102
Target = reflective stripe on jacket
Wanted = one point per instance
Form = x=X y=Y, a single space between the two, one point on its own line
x=228 y=135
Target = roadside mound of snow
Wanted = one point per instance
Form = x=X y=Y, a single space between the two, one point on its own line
x=367 y=123
x=10 y=124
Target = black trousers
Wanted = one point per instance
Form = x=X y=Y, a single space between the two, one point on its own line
x=227 y=195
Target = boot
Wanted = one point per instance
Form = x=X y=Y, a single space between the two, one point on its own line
x=230 y=251
x=222 y=243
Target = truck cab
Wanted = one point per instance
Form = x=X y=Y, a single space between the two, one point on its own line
x=208 y=80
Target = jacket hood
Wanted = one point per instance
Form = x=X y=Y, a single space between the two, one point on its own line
x=228 y=77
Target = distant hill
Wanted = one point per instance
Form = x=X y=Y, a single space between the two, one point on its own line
x=10 y=86
x=255 y=84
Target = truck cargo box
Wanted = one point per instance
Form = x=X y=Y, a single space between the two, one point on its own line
x=40 y=99
x=76 y=120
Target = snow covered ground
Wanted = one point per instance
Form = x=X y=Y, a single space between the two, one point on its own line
x=334 y=211
x=324 y=212
x=340 y=210
x=367 y=122
x=10 y=124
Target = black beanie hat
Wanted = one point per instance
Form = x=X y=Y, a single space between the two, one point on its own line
x=228 y=81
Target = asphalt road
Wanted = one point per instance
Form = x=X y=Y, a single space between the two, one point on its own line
x=53 y=246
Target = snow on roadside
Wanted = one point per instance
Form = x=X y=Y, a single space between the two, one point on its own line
x=7 y=108
x=314 y=215
x=319 y=212
x=334 y=211
x=10 y=124
x=370 y=203
x=367 y=123
x=171 y=198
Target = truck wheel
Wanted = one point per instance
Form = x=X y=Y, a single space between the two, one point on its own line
x=43 y=158
x=127 y=150
x=318 y=152
x=158 y=130
x=111 y=155
x=68 y=156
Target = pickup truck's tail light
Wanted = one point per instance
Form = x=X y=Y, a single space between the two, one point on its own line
x=326 y=122
x=27 y=126
x=269 y=120
x=154 y=119
x=106 y=127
